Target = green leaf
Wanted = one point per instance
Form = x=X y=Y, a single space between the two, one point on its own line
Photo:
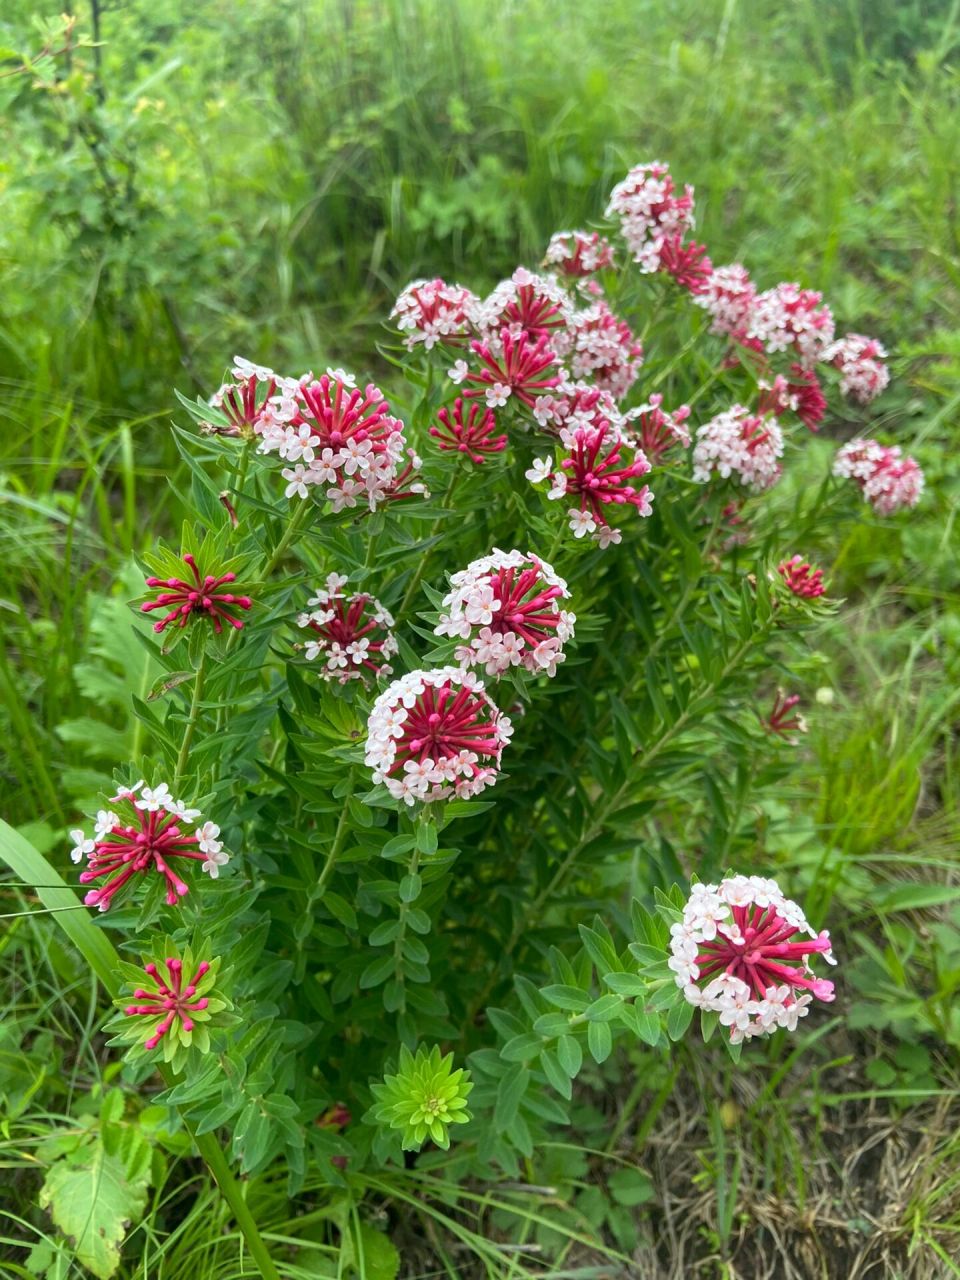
x=565 y=997
x=679 y=1018
x=599 y=1040
x=380 y=1257
x=555 y=1074
x=510 y=1090
x=340 y=909
x=92 y=1200
x=569 y=1055
x=520 y=1048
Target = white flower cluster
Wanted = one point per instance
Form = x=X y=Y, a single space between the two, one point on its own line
x=737 y=442
x=432 y=311
x=889 y=481
x=709 y=918
x=649 y=210
x=526 y=303
x=444 y=711
x=578 y=252
x=153 y=800
x=577 y=404
x=506 y=606
x=600 y=346
x=863 y=374
x=350 y=632
x=788 y=315
x=728 y=295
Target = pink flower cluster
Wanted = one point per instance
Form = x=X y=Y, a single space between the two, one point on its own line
x=350 y=633
x=801 y=394
x=656 y=432
x=578 y=253
x=173 y=1000
x=597 y=464
x=432 y=311
x=729 y=296
x=471 y=434
x=510 y=366
x=147 y=834
x=802 y=579
x=742 y=950
x=887 y=480
x=650 y=209
x=528 y=305
x=435 y=734
x=506 y=606
x=738 y=442
x=863 y=374
x=197 y=597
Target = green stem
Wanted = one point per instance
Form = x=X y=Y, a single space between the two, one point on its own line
x=418 y=573
x=339 y=837
x=299 y=517
x=191 y=724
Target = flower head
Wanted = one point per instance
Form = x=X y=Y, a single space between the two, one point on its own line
x=172 y=999
x=146 y=834
x=342 y=440
x=743 y=950
x=649 y=208
x=432 y=311
x=577 y=404
x=506 y=606
x=595 y=472
x=527 y=305
x=423 y=1098
x=801 y=394
x=199 y=596
x=802 y=579
x=351 y=634
x=728 y=294
x=686 y=261
x=578 y=253
x=788 y=316
x=863 y=373
x=739 y=443
x=176 y=1002
x=888 y=481
x=471 y=435
x=600 y=346
x=435 y=734
x=656 y=432
x=512 y=366
x=246 y=401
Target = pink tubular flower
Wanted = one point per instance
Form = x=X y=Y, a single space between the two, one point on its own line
x=472 y=436
x=739 y=443
x=527 y=305
x=432 y=311
x=246 y=400
x=602 y=347
x=656 y=432
x=728 y=295
x=790 y=316
x=201 y=598
x=351 y=633
x=686 y=261
x=781 y=718
x=743 y=950
x=888 y=481
x=802 y=579
x=863 y=374
x=578 y=253
x=435 y=734
x=801 y=394
x=507 y=607
x=512 y=366
x=173 y=1001
x=342 y=440
x=595 y=472
x=648 y=209
x=147 y=834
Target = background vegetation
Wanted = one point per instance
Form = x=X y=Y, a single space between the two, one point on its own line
x=263 y=178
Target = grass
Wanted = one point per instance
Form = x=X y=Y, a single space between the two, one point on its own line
x=290 y=166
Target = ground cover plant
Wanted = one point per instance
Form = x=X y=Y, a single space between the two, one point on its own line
x=454 y=755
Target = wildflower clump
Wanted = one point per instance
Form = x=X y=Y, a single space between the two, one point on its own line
x=742 y=950
x=423 y=1098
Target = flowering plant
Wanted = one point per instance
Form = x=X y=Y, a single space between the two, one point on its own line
x=557 y=674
